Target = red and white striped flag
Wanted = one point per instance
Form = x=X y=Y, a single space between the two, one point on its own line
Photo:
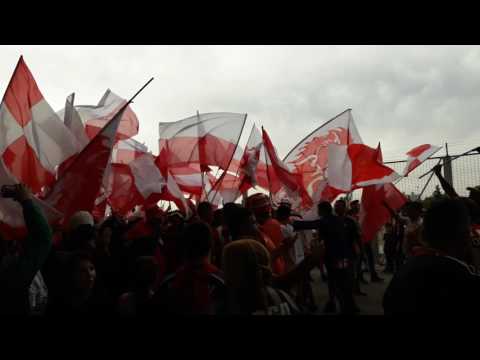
x=418 y=155
x=33 y=139
x=205 y=139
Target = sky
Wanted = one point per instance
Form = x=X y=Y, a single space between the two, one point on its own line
x=402 y=96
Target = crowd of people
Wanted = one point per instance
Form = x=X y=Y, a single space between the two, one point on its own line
x=239 y=260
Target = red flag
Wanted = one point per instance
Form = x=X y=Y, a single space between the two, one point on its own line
x=373 y=213
x=80 y=183
x=356 y=165
x=418 y=155
x=293 y=182
x=33 y=139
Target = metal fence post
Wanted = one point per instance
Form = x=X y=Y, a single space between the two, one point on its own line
x=447 y=169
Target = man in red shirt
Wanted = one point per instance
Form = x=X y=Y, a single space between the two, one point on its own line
x=270 y=229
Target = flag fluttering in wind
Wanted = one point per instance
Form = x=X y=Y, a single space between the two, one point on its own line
x=373 y=213
x=250 y=161
x=280 y=176
x=94 y=118
x=125 y=151
x=79 y=185
x=33 y=139
x=205 y=139
x=356 y=165
x=143 y=181
x=418 y=155
x=310 y=156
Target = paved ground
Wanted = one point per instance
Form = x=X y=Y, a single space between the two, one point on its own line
x=369 y=305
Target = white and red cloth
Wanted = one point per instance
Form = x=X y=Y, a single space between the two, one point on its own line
x=310 y=157
x=418 y=155
x=205 y=139
x=142 y=182
x=94 y=118
x=279 y=176
x=33 y=139
x=79 y=185
x=355 y=166
x=250 y=160
x=373 y=213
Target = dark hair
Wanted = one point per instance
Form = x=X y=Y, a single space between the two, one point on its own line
x=446 y=223
x=354 y=202
x=283 y=212
x=217 y=218
x=229 y=212
x=204 y=208
x=325 y=207
x=241 y=223
x=197 y=240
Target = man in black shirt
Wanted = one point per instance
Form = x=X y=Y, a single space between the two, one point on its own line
x=436 y=279
x=334 y=232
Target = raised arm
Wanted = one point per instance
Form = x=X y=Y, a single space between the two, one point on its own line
x=39 y=239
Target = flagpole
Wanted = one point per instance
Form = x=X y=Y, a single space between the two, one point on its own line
x=238 y=169
x=200 y=161
x=268 y=174
x=233 y=154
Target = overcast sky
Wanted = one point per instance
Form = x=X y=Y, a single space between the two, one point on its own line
x=402 y=96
